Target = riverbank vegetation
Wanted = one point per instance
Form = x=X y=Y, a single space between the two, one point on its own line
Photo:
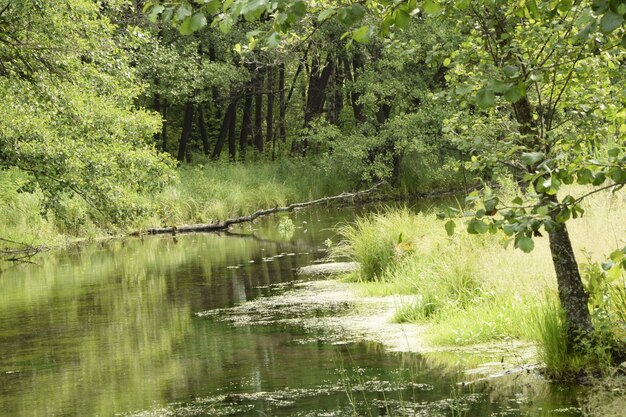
x=474 y=289
x=129 y=114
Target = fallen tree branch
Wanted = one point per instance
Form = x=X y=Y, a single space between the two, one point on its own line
x=223 y=225
x=19 y=251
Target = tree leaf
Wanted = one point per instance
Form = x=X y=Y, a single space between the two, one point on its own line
x=485 y=98
x=431 y=6
x=610 y=21
x=325 y=14
x=513 y=94
x=155 y=11
x=524 y=243
x=531 y=5
x=192 y=24
x=476 y=227
x=298 y=8
x=362 y=34
x=402 y=18
x=450 y=225
x=532 y=158
x=212 y=7
x=183 y=11
x=511 y=71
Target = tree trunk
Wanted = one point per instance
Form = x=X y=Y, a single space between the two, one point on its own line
x=269 y=116
x=164 y=132
x=157 y=108
x=231 y=112
x=232 y=135
x=217 y=111
x=338 y=100
x=282 y=110
x=184 y=136
x=318 y=81
x=203 y=132
x=258 y=112
x=572 y=294
x=352 y=72
x=383 y=113
x=316 y=94
x=246 y=124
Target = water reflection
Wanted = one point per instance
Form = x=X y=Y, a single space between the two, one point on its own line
x=110 y=328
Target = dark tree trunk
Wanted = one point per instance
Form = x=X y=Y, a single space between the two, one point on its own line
x=282 y=109
x=231 y=112
x=524 y=116
x=258 y=112
x=572 y=294
x=269 y=116
x=164 y=132
x=157 y=108
x=395 y=173
x=318 y=81
x=352 y=72
x=316 y=93
x=217 y=111
x=232 y=135
x=246 y=124
x=203 y=133
x=383 y=113
x=338 y=101
x=186 y=133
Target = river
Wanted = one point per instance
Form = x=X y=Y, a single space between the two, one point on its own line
x=113 y=328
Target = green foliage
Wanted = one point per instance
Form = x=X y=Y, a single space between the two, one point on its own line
x=219 y=190
x=68 y=119
x=553 y=135
x=493 y=319
x=552 y=340
x=377 y=242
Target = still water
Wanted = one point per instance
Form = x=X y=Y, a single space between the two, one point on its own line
x=113 y=329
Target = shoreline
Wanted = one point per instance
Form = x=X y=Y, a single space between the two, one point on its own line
x=331 y=311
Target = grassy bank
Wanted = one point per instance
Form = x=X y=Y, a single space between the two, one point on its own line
x=202 y=193
x=470 y=289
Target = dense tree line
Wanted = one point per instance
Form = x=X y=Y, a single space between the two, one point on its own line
x=100 y=99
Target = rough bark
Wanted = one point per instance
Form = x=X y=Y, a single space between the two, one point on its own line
x=232 y=135
x=258 y=112
x=572 y=294
x=271 y=96
x=338 y=96
x=246 y=124
x=231 y=112
x=315 y=96
x=214 y=90
x=203 y=133
x=186 y=133
x=164 y=132
x=282 y=106
x=318 y=82
x=352 y=72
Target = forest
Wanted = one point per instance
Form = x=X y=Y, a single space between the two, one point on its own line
x=507 y=117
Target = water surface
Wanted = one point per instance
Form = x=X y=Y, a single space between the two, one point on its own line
x=112 y=329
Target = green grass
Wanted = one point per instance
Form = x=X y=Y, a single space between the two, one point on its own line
x=551 y=337
x=470 y=289
x=218 y=190
x=202 y=193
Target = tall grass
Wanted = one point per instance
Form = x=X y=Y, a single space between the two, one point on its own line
x=473 y=290
x=202 y=193
x=551 y=337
